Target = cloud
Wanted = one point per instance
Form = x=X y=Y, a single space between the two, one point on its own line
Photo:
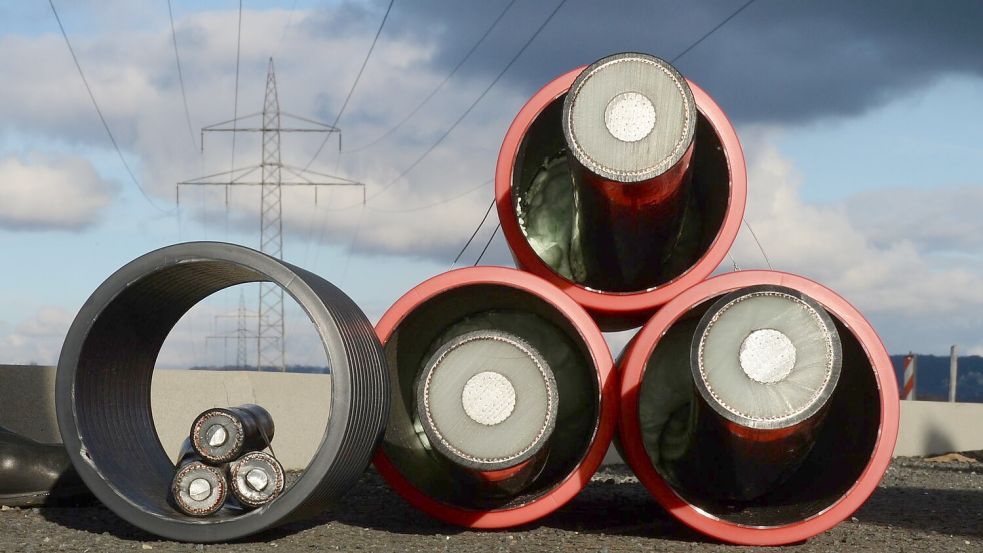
x=906 y=257
x=940 y=220
x=791 y=51
x=133 y=77
x=51 y=192
x=37 y=340
x=774 y=62
x=893 y=274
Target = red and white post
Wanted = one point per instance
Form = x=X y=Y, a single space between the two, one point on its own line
x=910 y=365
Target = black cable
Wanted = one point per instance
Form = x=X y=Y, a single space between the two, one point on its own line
x=180 y=76
x=473 y=104
x=488 y=243
x=711 y=31
x=440 y=86
x=354 y=84
x=102 y=118
x=473 y=234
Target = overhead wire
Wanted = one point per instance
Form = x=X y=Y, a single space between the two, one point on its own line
x=471 y=107
x=454 y=125
x=102 y=118
x=437 y=89
x=711 y=31
x=358 y=77
x=758 y=242
x=443 y=201
x=180 y=76
x=235 y=116
x=488 y=243
x=351 y=91
x=686 y=51
x=473 y=234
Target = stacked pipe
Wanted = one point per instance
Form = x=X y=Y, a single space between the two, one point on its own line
x=504 y=397
x=620 y=188
x=757 y=407
x=224 y=453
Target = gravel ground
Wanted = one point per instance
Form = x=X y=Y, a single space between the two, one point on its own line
x=922 y=505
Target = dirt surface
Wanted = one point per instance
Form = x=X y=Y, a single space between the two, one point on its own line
x=921 y=505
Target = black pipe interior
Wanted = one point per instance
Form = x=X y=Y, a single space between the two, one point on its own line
x=115 y=368
x=543 y=148
x=843 y=444
x=577 y=389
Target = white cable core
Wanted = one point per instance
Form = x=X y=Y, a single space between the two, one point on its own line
x=767 y=356
x=488 y=398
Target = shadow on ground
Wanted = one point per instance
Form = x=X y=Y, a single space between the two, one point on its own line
x=608 y=506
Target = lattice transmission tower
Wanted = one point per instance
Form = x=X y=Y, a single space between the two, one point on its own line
x=270 y=335
x=242 y=335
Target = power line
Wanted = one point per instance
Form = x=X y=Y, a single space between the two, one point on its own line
x=473 y=234
x=758 y=242
x=235 y=113
x=102 y=118
x=473 y=104
x=358 y=223
x=180 y=76
x=283 y=36
x=354 y=84
x=467 y=192
x=341 y=111
x=439 y=86
x=488 y=243
x=711 y=31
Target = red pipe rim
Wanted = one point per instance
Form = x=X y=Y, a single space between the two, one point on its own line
x=617 y=305
x=574 y=482
x=641 y=349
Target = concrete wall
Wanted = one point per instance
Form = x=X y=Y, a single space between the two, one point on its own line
x=298 y=403
x=932 y=427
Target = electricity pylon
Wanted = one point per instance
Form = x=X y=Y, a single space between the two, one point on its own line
x=271 y=336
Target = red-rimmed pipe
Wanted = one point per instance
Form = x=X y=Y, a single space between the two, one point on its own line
x=706 y=185
x=850 y=452
x=503 y=304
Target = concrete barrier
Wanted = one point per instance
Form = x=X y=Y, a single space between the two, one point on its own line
x=299 y=405
x=933 y=427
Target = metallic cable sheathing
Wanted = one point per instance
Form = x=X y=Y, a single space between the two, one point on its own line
x=222 y=434
x=256 y=479
x=198 y=489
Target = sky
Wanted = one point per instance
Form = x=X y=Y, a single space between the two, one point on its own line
x=859 y=122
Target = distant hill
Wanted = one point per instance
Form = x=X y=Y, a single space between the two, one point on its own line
x=932 y=378
x=306 y=369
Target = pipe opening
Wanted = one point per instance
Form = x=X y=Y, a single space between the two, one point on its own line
x=558 y=215
x=735 y=468
x=532 y=423
x=106 y=371
x=115 y=369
